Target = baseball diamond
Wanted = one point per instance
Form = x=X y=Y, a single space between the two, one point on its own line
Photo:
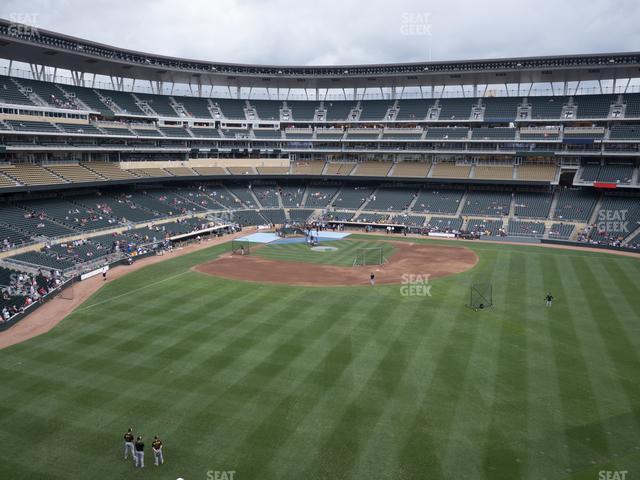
x=361 y=258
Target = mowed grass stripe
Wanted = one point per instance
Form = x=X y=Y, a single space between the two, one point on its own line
x=545 y=419
x=607 y=340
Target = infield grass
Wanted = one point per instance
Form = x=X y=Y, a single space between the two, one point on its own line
x=344 y=255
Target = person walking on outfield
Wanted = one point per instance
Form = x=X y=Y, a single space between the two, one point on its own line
x=138 y=458
x=372 y=279
x=158 y=458
x=549 y=299
x=128 y=444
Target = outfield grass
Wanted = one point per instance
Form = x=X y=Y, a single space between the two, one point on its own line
x=346 y=253
x=291 y=382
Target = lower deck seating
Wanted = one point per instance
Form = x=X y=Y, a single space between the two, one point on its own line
x=341 y=216
x=300 y=215
x=34 y=223
x=574 y=204
x=487 y=203
x=444 y=224
x=319 y=197
x=526 y=229
x=390 y=199
x=249 y=217
x=561 y=231
x=408 y=220
x=532 y=204
x=292 y=196
x=276 y=217
x=352 y=197
x=438 y=201
x=484 y=226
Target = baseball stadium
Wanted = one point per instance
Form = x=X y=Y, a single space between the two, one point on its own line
x=401 y=270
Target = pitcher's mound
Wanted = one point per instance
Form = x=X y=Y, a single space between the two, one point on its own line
x=409 y=259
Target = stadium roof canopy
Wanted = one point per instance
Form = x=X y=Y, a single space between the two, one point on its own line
x=36 y=46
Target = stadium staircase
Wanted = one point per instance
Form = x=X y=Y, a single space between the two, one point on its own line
x=305 y=195
x=512 y=207
x=255 y=199
x=30 y=94
x=144 y=106
x=631 y=236
x=554 y=204
x=596 y=208
x=463 y=200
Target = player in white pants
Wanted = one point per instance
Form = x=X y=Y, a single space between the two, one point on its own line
x=158 y=457
x=128 y=444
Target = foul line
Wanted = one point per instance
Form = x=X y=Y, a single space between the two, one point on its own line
x=131 y=291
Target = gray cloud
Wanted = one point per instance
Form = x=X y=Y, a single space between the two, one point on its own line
x=343 y=31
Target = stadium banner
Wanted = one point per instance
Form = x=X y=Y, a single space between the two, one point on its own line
x=93 y=273
x=605 y=185
x=442 y=234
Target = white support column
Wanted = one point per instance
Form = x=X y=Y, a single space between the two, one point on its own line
x=614 y=85
x=355 y=94
x=553 y=91
x=575 y=92
x=475 y=90
x=600 y=86
x=10 y=67
x=627 y=85
x=93 y=80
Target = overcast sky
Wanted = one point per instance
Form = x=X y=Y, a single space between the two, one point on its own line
x=341 y=31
